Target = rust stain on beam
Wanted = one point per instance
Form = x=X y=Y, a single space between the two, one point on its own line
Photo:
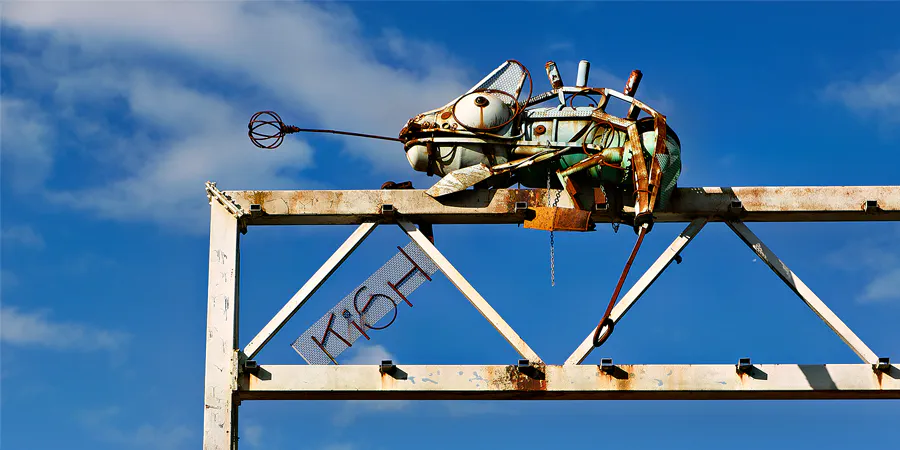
x=573 y=382
x=749 y=204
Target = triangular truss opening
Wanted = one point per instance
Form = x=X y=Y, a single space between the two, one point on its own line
x=764 y=254
x=353 y=319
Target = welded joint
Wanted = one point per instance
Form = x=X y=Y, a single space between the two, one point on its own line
x=606 y=365
x=883 y=364
x=744 y=365
x=870 y=206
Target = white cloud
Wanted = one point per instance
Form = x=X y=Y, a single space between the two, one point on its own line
x=35 y=329
x=251 y=434
x=884 y=286
x=314 y=62
x=343 y=446
x=368 y=354
x=474 y=408
x=877 y=259
x=25 y=131
x=352 y=409
x=101 y=423
x=8 y=279
x=22 y=235
x=872 y=96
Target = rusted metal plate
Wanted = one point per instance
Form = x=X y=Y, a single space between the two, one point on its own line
x=757 y=204
x=572 y=382
x=558 y=219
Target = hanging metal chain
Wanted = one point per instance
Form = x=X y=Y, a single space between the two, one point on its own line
x=552 y=243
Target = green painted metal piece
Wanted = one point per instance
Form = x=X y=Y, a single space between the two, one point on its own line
x=536 y=176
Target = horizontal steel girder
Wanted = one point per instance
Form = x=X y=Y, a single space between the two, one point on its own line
x=570 y=382
x=748 y=204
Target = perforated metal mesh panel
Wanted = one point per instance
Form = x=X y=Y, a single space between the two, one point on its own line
x=509 y=78
x=370 y=306
x=671 y=170
x=547 y=113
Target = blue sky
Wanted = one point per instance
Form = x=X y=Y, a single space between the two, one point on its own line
x=115 y=113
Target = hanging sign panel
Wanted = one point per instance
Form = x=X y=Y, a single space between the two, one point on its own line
x=371 y=307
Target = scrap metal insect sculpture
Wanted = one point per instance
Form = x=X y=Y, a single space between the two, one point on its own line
x=493 y=136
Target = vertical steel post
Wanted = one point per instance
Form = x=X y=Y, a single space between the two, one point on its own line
x=221 y=400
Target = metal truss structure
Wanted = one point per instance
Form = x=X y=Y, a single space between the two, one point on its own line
x=232 y=374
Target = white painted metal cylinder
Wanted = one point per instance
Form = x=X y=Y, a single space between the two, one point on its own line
x=584 y=68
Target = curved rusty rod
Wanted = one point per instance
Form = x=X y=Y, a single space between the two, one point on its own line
x=598 y=338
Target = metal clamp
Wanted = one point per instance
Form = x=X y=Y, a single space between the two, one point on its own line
x=744 y=365
x=606 y=365
x=250 y=366
x=883 y=365
x=870 y=206
x=521 y=207
x=388 y=367
x=388 y=211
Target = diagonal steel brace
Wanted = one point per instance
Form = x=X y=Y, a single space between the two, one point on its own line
x=308 y=289
x=469 y=292
x=805 y=293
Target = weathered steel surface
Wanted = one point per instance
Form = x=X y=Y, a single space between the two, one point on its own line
x=756 y=204
x=220 y=411
x=572 y=382
x=558 y=219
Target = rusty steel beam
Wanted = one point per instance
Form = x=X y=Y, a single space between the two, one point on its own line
x=571 y=382
x=748 y=204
